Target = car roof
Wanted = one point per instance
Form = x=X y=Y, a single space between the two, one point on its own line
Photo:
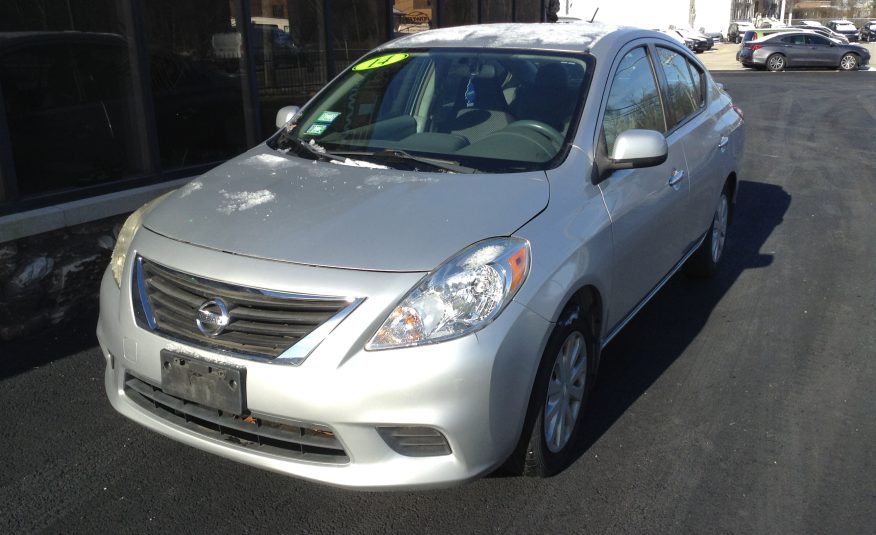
x=774 y=35
x=573 y=37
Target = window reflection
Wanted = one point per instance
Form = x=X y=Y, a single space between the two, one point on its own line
x=459 y=12
x=633 y=100
x=194 y=64
x=412 y=16
x=67 y=92
x=496 y=11
x=290 y=56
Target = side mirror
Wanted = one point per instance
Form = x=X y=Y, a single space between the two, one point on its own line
x=637 y=148
x=286 y=114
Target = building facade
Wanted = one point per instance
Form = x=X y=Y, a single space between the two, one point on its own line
x=105 y=104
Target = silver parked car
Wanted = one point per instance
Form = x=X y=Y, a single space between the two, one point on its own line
x=410 y=284
x=801 y=49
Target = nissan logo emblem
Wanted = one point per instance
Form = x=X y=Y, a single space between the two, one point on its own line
x=212 y=317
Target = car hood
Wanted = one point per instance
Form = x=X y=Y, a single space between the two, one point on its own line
x=267 y=204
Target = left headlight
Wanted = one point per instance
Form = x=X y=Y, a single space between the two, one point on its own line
x=123 y=242
x=462 y=296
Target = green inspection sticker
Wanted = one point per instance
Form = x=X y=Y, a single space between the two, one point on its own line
x=380 y=61
x=316 y=129
x=328 y=117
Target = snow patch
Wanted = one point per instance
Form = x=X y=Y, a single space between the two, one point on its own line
x=567 y=36
x=190 y=188
x=244 y=200
x=378 y=180
x=359 y=163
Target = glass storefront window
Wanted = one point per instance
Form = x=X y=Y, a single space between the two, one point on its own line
x=290 y=54
x=412 y=16
x=67 y=92
x=459 y=12
x=528 y=10
x=194 y=54
x=357 y=26
x=496 y=11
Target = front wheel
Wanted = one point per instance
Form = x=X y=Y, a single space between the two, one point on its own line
x=849 y=62
x=704 y=262
x=776 y=63
x=559 y=396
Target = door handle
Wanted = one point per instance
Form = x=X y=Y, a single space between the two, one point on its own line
x=723 y=143
x=677 y=176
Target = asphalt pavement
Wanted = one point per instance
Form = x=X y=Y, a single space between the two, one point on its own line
x=744 y=404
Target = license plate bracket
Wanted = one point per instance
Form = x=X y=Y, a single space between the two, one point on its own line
x=217 y=386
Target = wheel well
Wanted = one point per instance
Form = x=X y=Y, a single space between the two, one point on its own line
x=730 y=185
x=590 y=297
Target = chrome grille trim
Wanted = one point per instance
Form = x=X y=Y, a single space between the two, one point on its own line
x=265 y=325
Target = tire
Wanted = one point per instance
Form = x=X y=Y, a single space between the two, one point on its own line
x=704 y=262
x=849 y=62
x=565 y=378
x=776 y=63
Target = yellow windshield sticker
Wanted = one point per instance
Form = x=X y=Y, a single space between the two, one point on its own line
x=380 y=61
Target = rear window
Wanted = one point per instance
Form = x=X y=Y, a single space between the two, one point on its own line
x=750 y=35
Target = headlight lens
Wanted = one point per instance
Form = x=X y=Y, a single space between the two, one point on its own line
x=123 y=242
x=462 y=296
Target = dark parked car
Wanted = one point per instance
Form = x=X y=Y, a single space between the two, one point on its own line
x=802 y=49
x=867 y=30
x=845 y=28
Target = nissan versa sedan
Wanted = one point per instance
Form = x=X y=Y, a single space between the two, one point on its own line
x=801 y=49
x=411 y=282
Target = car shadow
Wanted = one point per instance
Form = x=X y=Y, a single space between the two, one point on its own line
x=54 y=342
x=667 y=325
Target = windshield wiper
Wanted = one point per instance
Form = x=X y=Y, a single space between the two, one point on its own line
x=400 y=155
x=303 y=148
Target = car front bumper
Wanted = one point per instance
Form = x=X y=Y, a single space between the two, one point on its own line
x=473 y=390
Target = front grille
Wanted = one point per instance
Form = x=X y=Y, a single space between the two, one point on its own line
x=304 y=442
x=260 y=323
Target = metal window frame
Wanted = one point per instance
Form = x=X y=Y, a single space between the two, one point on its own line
x=8 y=184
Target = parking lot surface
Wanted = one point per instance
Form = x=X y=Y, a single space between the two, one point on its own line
x=743 y=404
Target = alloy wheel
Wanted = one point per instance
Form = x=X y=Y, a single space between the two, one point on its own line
x=565 y=395
x=719 y=229
x=848 y=62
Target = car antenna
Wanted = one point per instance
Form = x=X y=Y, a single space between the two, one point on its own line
x=594 y=15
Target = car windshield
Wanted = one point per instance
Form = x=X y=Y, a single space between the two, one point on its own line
x=846 y=27
x=441 y=109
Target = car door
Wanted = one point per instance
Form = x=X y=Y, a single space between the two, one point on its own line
x=820 y=51
x=648 y=206
x=691 y=125
x=794 y=48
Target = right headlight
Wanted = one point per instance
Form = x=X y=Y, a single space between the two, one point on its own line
x=462 y=296
x=123 y=242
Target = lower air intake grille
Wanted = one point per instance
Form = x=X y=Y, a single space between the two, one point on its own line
x=307 y=443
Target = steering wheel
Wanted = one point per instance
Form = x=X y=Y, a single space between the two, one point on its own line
x=544 y=129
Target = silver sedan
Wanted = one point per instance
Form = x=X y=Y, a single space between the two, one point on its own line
x=410 y=283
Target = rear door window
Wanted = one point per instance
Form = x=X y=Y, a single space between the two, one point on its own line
x=685 y=92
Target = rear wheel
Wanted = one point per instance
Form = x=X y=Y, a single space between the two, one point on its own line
x=849 y=62
x=704 y=262
x=776 y=62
